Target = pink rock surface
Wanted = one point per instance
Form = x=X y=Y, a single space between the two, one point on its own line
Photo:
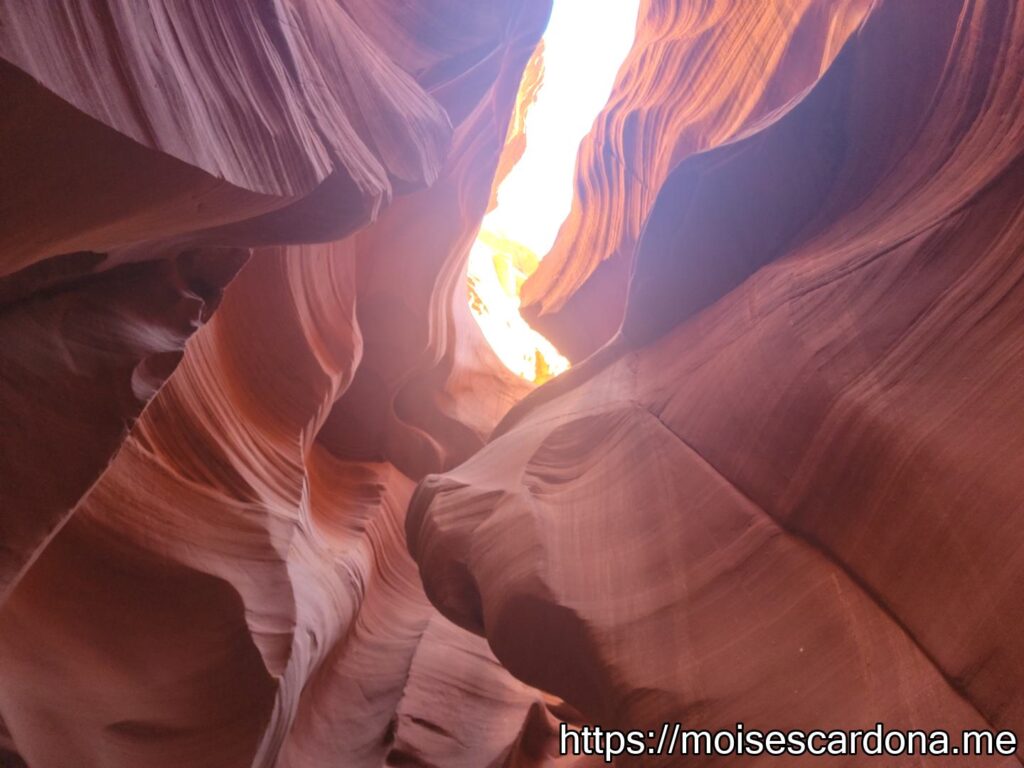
x=261 y=105
x=80 y=363
x=208 y=582
x=786 y=492
x=699 y=75
x=789 y=492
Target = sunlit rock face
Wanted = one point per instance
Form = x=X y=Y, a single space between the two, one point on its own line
x=699 y=76
x=790 y=490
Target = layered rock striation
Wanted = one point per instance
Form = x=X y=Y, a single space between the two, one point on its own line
x=205 y=477
x=699 y=75
x=788 y=491
x=267 y=498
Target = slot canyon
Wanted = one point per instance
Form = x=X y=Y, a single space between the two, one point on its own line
x=270 y=498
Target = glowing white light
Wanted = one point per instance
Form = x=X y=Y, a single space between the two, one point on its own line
x=584 y=45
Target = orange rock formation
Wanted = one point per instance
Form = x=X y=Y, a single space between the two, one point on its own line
x=784 y=487
x=789 y=490
x=221 y=578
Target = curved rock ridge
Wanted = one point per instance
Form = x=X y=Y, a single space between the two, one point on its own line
x=191 y=79
x=788 y=493
x=80 y=362
x=106 y=187
x=265 y=579
x=234 y=110
x=222 y=578
x=424 y=353
x=698 y=76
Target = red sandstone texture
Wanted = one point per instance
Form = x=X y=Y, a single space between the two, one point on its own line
x=221 y=578
x=699 y=75
x=787 y=491
x=790 y=490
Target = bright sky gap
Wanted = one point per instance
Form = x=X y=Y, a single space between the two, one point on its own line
x=584 y=45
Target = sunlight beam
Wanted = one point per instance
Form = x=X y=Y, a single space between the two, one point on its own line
x=584 y=45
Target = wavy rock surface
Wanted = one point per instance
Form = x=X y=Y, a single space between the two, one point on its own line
x=222 y=579
x=699 y=75
x=244 y=110
x=788 y=493
x=80 y=362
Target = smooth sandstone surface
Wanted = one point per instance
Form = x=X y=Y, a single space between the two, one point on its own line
x=221 y=578
x=699 y=75
x=788 y=493
x=268 y=499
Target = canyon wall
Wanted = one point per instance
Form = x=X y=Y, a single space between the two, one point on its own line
x=699 y=75
x=268 y=499
x=235 y=327
x=789 y=491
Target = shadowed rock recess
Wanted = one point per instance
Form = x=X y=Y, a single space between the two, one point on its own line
x=783 y=485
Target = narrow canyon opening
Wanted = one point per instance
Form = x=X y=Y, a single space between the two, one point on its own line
x=565 y=86
x=273 y=494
